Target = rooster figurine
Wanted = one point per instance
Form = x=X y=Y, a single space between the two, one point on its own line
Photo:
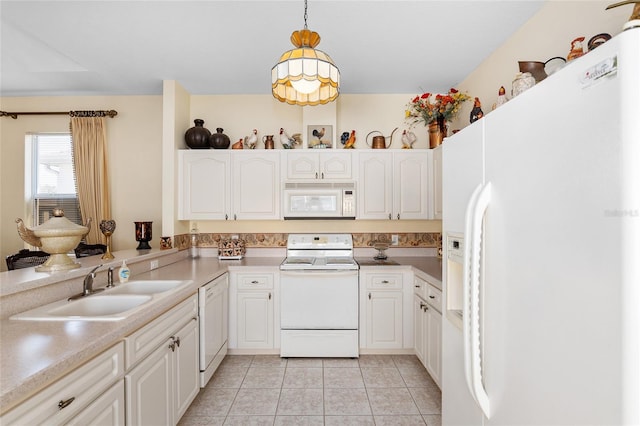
x=252 y=140
x=289 y=142
x=408 y=139
x=351 y=140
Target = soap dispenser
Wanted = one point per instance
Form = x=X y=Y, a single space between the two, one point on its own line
x=123 y=273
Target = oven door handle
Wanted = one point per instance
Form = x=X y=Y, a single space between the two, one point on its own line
x=320 y=273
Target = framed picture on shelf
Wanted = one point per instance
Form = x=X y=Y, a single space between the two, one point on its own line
x=319 y=136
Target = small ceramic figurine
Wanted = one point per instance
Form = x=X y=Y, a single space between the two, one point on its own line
x=408 y=139
x=343 y=137
x=502 y=97
x=238 y=145
x=476 y=112
x=351 y=140
x=289 y=142
x=252 y=140
x=576 y=49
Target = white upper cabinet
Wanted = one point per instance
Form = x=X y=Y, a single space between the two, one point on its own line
x=327 y=164
x=256 y=185
x=225 y=185
x=437 y=183
x=394 y=185
x=411 y=184
x=204 y=185
x=375 y=185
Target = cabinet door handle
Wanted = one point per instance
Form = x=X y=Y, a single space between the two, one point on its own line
x=417 y=286
x=398 y=216
x=235 y=217
x=62 y=404
x=269 y=295
x=421 y=305
x=369 y=296
x=432 y=297
x=322 y=175
x=426 y=308
x=316 y=175
x=389 y=216
x=254 y=282
x=226 y=217
x=385 y=281
x=177 y=341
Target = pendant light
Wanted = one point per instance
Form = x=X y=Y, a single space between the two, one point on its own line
x=305 y=75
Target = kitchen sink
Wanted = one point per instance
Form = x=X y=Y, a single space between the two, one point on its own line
x=90 y=308
x=148 y=287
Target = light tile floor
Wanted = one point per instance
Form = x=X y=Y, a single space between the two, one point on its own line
x=269 y=390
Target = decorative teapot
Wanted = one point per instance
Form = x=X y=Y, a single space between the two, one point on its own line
x=379 y=142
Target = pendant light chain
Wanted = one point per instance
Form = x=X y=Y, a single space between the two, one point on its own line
x=305 y=14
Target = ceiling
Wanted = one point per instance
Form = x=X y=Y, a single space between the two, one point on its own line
x=62 y=48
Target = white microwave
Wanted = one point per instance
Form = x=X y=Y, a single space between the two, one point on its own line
x=319 y=200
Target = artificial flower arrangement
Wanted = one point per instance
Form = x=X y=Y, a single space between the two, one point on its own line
x=428 y=108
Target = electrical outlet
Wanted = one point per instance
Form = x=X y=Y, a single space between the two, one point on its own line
x=154 y=265
x=394 y=240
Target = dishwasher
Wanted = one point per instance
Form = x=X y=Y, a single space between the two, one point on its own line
x=212 y=309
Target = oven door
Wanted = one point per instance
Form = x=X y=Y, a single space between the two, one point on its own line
x=319 y=300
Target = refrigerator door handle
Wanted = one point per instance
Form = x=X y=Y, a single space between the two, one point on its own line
x=471 y=328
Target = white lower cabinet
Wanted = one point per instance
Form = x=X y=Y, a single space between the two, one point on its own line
x=81 y=394
x=165 y=380
x=385 y=310
x=253 y=311
x=428 y=327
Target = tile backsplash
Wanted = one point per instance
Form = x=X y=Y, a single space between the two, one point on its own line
x=263 y=240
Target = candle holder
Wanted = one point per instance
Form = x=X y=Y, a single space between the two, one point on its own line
x=107 y=227
x=143 y=235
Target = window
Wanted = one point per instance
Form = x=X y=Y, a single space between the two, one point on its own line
x=50 y=179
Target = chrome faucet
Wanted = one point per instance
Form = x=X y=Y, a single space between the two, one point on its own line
x=87 y=285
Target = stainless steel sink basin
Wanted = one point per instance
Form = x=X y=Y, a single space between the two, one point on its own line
x=147 y=287
x=91 y=308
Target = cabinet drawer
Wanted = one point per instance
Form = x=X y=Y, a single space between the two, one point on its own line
x=382 y=281
x=434 y=297
x=255 y=281
x=74 y=391
x=148 y=338
x=420 y=287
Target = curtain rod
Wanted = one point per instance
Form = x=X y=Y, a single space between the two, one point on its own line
x=110 y=113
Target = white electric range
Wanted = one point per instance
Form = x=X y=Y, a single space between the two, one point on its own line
x=319 y=297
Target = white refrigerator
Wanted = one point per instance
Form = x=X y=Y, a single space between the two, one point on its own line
x=541 y=238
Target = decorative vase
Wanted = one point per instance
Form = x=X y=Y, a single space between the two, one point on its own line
x=197 y=137
x=143 y=235
x=437 y=132
x=219 y=140
x=107 y=227
x=522 y=82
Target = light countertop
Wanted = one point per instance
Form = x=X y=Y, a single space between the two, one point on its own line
x=33 y=354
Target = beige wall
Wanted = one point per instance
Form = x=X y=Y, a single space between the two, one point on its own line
x=135 y=160
x=547 y=34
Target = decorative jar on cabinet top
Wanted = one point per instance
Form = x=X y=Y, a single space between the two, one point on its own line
x=197 y=137
x=219 y=140
x=522 y=82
